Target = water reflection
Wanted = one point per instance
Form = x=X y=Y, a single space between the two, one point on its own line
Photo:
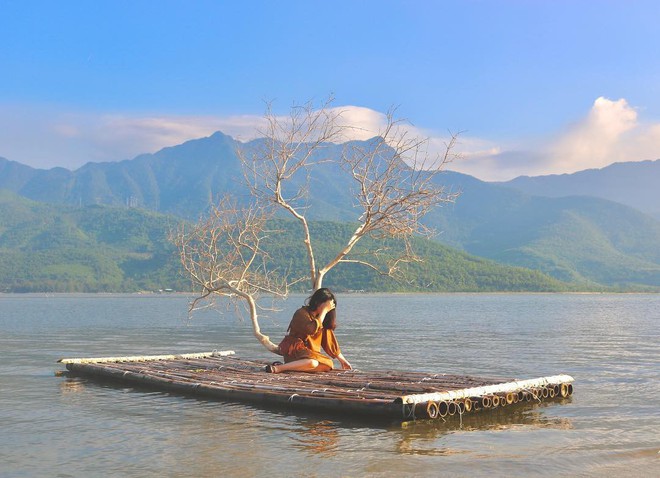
x=520 y=415
x=71 y=385
x=317 y=436
x=424 y=437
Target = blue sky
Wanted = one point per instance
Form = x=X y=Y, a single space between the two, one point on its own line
x=535 y=87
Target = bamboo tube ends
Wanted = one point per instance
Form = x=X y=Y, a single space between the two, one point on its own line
x=442 y=409
x=432 y=410
x=445 y=408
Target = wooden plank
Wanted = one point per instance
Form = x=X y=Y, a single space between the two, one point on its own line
x=389 y=394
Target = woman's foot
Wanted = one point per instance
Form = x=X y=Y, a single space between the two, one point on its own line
x=272 y=367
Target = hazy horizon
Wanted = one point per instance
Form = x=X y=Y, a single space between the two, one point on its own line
x=533 y=88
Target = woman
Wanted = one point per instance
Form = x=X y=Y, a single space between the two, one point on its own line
x=311 y=328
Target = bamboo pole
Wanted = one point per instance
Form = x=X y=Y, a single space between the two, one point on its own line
x=486 y=390
x=341 y=405
x=146 y=358
x=402 y=384
x=168 y=372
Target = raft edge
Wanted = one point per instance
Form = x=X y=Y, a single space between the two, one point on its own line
x=147 y=358
x=486 y=390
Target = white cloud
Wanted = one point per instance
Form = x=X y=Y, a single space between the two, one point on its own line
x=611 y=131
x=123 y=137
x=363 y=123
x=45 y=138
x=596 y=141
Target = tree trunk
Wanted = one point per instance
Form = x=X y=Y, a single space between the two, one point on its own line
x=318 y=281
x=263 y=339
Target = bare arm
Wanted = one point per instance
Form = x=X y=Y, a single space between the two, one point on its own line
x=344 y=363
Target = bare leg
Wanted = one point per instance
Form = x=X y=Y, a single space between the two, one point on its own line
x=302 y=365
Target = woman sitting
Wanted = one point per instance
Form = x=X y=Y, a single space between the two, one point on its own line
x=311 y=329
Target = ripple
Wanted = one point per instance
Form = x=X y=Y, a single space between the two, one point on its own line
x=75 y=427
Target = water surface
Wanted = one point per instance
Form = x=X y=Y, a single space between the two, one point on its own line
x=69 y=426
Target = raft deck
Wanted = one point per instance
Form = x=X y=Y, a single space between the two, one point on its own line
x=386 y=394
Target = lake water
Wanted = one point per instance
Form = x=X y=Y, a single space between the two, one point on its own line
x=59 y=426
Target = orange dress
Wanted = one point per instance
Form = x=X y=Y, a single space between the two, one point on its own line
x=306 y=337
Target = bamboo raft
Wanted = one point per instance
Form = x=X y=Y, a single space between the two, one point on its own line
x=385 y=394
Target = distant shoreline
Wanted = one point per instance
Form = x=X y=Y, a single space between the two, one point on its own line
x=303 y=294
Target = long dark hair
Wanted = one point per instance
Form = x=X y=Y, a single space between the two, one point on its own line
x=323 y=295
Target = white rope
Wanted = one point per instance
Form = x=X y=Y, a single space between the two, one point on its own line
x=410 y=413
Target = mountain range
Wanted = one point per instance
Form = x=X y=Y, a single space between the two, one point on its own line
x=633 y=184
x=583 y=236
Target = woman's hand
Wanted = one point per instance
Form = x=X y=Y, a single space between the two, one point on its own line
x=329 y=305
x=345 y=365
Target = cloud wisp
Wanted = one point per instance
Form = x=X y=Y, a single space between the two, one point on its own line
x=46 y=139
x=610 y=131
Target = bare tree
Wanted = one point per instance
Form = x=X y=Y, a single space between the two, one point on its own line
x=291 y=148
x=393 y=188
x=223 y=256
x=393 y=175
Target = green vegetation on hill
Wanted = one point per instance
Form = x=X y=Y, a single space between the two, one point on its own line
x=588 y=241
x=46 y=248
x=579 y=240
x=443 y=269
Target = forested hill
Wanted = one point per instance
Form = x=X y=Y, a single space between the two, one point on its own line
x=47 y=248
x=44 y=247
x=579 y=239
